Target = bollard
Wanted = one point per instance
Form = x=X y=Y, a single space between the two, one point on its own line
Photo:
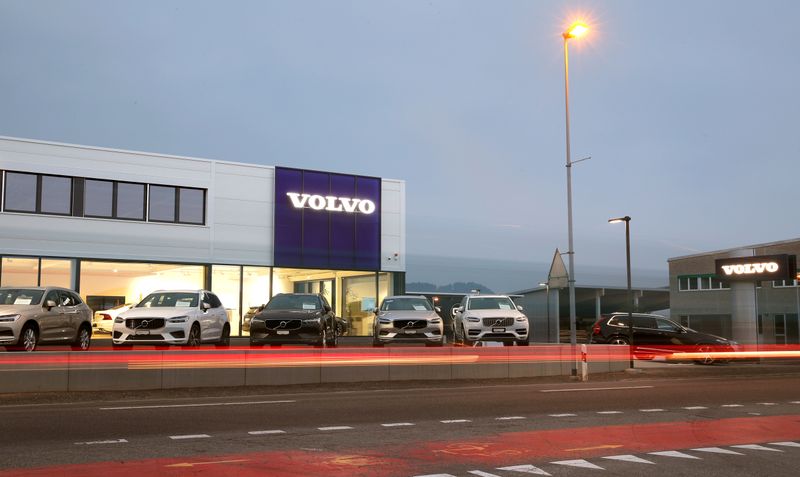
x=584 y=364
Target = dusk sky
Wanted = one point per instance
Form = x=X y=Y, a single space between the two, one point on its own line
x=688 y=109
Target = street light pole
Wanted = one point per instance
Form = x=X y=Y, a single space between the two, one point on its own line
x=575 y=31
x=627 y=221
x=547 y=287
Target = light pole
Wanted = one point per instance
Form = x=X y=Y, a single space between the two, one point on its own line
x=576 y=30
x=627 y=221
x=547 y=286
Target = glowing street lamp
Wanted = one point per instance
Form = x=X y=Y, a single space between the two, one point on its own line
x=576 y=30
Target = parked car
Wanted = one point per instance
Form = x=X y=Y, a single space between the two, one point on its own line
x=656 y=335
x=295 y=318
x=248 y=316
x=43 y=315
x=176 y=317
x=407 y=319
x=103 y=321
x=489 y=318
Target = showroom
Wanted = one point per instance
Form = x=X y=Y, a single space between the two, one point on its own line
x=117 y=225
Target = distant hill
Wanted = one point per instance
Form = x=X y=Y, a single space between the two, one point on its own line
x=457 y=287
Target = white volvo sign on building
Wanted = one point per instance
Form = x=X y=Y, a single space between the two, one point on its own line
x=331 y=203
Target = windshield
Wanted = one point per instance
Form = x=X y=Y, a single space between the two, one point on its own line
x=294 y=302
x=491 y=303
x=406 y=304
x=169 y=300
x=20 y=296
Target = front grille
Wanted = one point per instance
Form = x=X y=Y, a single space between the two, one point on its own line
x=145 y=338
x=6 y=333
x=411 y=324
x=144 y=323
x=498 y=321
x=283 y=324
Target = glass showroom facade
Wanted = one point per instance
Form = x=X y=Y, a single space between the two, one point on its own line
x=117 y=225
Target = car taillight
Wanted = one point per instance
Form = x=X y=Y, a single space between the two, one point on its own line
x=596 y=330
x=105 y=317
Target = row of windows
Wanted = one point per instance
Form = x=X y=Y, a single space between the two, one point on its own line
x=75 y=196
x=692 y=283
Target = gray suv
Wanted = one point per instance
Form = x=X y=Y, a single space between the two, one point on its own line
x=43 y=315
x=407 y=319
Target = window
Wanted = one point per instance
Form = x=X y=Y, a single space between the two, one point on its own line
x=717 y=284
x=698 y=282
x=21 y=192
x=644 y=322
x=191 y=206
x=212 y=300
x=162 y=204
x=666 y=325
x=784 y=283
x=98 y=198
x=56 y=195
x=684 y=320
x=130 y=201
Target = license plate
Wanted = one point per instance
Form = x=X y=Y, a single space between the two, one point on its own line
x=142 y=332
x=283 y=332
x=498 y=330
x=411 y=332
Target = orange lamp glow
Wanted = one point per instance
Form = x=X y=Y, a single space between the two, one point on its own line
x=576 y=30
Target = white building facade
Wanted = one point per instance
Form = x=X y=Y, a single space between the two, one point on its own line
x=116 y=225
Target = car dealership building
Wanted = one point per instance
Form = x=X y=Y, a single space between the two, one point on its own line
x=748 y=293
x=116 y=225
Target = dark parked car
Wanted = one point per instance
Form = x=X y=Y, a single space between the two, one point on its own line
x=295 y=318
x=654 y=334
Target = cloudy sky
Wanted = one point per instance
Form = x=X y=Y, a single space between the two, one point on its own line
x=689 y=109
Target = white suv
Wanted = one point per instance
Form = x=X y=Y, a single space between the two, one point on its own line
x=185 y=317
x=489 y=318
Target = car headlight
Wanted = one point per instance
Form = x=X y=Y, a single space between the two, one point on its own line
x=312 y=321
x=178 y=319
x=473 y=319
x=8 y=318
x=384 y=321
x=436 y=321
x=119 y=319
x=521 y=318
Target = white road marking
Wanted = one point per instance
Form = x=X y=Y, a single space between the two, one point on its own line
x=334 y=428
x=651 y=410
x=481 y=473
x=397 y=424
x=90 y=443
x=584 y=464
x=732 y=405
x=717 y=450
x=436 y=475
x=618 y=388
x=164 y=406
x=629 y=458
x=455 y=421
x=509 y=418
x=695 y=408
x=754 y=413
x=609 y=412
x=768 y=403
x=562 y=415
x=190 y=436
x=785 y=444
x=263 y=433
x=525 y=469
x=674 y=454
x=794 y=402
x=756 y=447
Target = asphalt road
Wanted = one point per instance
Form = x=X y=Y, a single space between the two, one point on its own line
x=685 y=420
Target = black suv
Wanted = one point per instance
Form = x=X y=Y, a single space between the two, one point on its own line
x=654 y=334
x=295 y=318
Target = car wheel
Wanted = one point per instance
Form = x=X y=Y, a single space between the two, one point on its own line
x=335 y=338
x=225 y=338
x=464 y=339
x=705 y=360
x=83 y=340
x=618 y=340
x=28 y=339
x=193 y=340
x=323 y=338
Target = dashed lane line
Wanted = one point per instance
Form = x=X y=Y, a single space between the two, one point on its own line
x=652 y=410
x=768 y=403
x=609 y=412
x=206 y=404
x=190 y=436
x=455 y=421
x=562 y=415
x=335 y=428
x=785 y=444
x=694 y=408
x=615 y=388
x=267 y=432
x=732 y=405
x=510 y=418
x=481 y=473
x=398 y=424
x=112 y=441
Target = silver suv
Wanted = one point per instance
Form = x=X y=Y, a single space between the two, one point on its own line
x=407 y=319
x=43 y=315
x=489 y=318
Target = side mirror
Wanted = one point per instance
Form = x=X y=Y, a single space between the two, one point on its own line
x=375 y=311
x=205 y=306
x=437 y=309
x=519 y=307
x=327 y=308
x=49 y=304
